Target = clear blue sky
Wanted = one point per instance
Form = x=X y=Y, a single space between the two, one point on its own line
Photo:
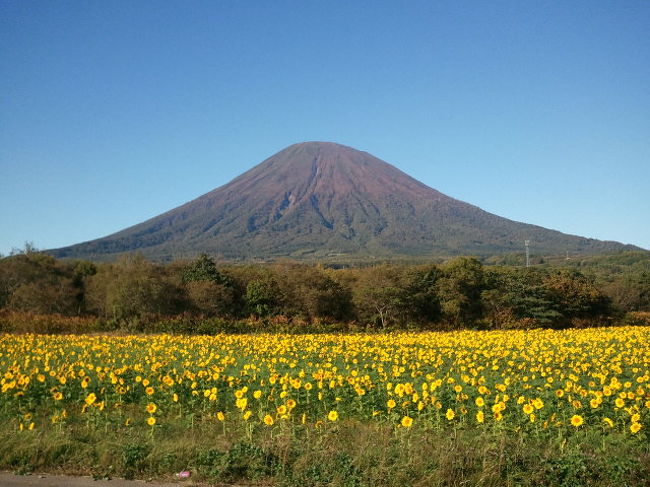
x=112 y=112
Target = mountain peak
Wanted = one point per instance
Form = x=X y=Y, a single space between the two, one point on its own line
x=320 y=199
x=322 y=146
x=321 y=152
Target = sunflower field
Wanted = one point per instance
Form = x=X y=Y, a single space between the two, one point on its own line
x=528 y=384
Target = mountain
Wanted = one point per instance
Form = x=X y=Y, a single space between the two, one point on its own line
x=323 y=200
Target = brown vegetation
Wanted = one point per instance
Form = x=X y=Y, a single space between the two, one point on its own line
x=40 y=293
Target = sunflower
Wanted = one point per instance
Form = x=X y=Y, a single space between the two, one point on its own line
x=268 y=420
x=151 y=421
x=151 y=408
x=407 y=422
x=333 y=415
x=577 y=420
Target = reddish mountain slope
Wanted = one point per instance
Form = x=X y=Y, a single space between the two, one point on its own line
x=319 y=199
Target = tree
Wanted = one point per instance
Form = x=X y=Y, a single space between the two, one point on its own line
x=262 y=296
x=515 y=295
x=57 y=296
x=311 y=292
x=379 y=295
x=210 y=298
x=132 y=287
x=208 y=290
x=630 y=292
x=459 y=289
x=31 y=281
x=421 y=295
x=203 y=269
x=576 y=297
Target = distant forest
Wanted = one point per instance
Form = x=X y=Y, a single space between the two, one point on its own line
x=39 y=293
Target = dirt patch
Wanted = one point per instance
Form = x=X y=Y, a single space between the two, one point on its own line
x=46 y=480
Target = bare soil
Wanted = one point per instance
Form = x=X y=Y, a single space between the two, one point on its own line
x=8 y=479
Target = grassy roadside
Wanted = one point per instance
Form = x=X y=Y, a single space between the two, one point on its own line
x=340 y=454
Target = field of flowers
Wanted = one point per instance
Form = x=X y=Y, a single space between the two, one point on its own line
x=516 y=380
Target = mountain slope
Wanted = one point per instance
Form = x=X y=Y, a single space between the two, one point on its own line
x=319 y=199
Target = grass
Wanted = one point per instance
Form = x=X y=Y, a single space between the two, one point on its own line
x=339 y=454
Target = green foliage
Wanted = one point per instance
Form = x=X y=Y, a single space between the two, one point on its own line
x=132 y=287
x=517 y=294
x=629 y=292
x=338 y=470
x=459 y=289
x=311 y=293
x=423 y=299
x=262 y=296
x=462 y=292
x=353 y=455
x=241 y=460
x=575 y=296
x=210 y=298
x=133 y=459
x=39 y=283
x=543 y=297
x=380 y=295
x=203 y=269
x=208 y=291
x=83 y=269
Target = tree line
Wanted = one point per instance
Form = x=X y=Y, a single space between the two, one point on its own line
x=199 y=295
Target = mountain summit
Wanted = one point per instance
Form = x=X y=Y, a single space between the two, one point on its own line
x=321 y=199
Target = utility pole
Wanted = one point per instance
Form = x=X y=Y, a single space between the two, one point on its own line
x=527 y=243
